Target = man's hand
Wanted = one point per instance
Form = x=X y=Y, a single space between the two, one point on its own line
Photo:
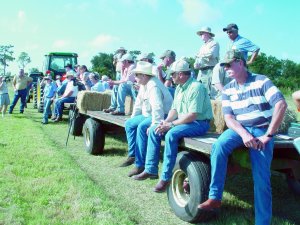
x=250 y=141
x=163 y=127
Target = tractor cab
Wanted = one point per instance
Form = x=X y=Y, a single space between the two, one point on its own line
x=56 y=62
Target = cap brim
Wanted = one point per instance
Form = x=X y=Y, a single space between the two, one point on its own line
x=142 y=72
x=200 y=32
x=225 y=29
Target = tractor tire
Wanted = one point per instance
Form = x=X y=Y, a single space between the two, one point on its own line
x=76 y=122
x=189 y=187
x=40 y=97
x=94 y=136
x=34 y=96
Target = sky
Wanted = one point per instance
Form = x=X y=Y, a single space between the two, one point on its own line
x=92 y=26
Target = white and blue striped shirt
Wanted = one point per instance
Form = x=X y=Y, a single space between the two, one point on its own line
x=252 y=103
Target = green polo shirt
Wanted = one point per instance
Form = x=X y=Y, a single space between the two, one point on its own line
x=192 y=97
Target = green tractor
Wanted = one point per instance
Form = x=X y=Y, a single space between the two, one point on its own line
x=54 y=63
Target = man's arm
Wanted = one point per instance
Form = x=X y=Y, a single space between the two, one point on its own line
x=248 y=139
x=253 y=57
x=277 y=117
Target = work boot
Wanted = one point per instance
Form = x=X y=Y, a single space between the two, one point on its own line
x=129 y=161
x=161 y=186
x=109 y=110
x=144 y=175
x=210 y=205
x=135 y=171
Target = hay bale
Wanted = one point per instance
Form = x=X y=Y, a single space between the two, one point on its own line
x=289 y=117
x=129 y=103
x=93 y=101
x=218 y=124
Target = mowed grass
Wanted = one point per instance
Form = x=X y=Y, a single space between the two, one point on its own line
x=44 y=182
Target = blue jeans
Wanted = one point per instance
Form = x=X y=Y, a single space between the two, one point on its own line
x=136 y=133
x=260 y=162
x=47 y=109
x=124 y=90
x=172 y=138
x=19 y=94
x=113 y=100
x=59 y=105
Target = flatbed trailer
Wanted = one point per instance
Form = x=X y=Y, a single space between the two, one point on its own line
x=191 y=176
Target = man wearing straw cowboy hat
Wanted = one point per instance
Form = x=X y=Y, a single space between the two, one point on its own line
x=189 y=117
x=207 y=57
x=152 y=104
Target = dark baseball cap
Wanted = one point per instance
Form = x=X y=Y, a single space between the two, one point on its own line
x=230 y=56
x=231 y=26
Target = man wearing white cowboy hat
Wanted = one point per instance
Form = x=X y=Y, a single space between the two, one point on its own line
x=68 y=96
x=151 y=106
x=207 y=57
x=189 y=117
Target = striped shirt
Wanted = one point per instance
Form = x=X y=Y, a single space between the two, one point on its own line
x=252 y=103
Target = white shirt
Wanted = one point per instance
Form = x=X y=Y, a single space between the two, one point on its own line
x=153 y=99
x=71 y=87
x=208 y=54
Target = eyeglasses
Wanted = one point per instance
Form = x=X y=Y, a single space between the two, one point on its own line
x=138 y=74
x=229 y=32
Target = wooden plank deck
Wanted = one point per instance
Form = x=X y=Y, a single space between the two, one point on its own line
x=201 y=144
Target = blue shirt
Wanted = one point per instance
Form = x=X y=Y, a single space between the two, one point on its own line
x=49 y=90
x=98 y=87
x=251 y=104
x=244 y=45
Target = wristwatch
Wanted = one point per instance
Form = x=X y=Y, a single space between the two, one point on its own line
x=270 y=135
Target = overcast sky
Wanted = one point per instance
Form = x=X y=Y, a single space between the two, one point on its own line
x=89 y=27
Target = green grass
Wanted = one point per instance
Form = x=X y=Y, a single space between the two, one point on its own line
x=44 y=182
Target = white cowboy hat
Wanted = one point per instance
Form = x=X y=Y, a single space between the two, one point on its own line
x=143 y=68
x=205 y=30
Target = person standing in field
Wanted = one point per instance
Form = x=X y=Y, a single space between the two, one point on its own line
x=4 y=97
x=49 y=96
x=20 y=84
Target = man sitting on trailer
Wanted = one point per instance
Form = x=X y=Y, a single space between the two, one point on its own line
x=189 y=116
x=151 y=107
x=253 y=109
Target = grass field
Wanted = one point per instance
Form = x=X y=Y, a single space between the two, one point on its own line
x=44 y=182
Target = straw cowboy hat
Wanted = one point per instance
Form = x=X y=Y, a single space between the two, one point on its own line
x=144 y=68
x=205 y=30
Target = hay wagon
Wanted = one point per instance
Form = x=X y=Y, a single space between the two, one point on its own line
x=191 y=176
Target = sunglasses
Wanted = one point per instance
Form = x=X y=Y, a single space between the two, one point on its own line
x=229 y=32
x=228 y=65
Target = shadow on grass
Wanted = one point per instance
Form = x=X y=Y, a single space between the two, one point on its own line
x=285 y=204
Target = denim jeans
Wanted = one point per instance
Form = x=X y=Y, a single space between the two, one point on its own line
x=172 y=138
x=136 y=133
x=260 y=163
x=47 y=109
x=113 y=100
x=19 y=94
x=59 y=105
x=124 y=90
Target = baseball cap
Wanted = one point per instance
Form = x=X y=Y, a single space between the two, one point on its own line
x=231 y=26
x=180 y=66
x=230 y=56
x=168 y=53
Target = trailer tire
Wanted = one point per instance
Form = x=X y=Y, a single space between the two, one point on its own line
x=189 y=187
x=76 y=122
x=94 y=136
x=294 y=185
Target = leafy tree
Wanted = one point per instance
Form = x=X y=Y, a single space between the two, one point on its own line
x=103 y=64
x=135 y=53
x=23 y=60
x=6 y=55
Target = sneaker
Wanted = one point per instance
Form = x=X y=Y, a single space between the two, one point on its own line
x=129 y=161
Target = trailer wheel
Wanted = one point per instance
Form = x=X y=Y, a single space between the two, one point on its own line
x=76 y=122
x=189 y=187
x=94 y=136
x=293 y=184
